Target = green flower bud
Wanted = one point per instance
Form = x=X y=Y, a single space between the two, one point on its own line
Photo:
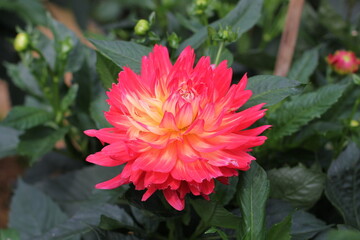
x=227 y=34
x=66 y=45
x=174 y=40
x=21 y=42
x=201 y=3
x=354 y=123
x=142 y=27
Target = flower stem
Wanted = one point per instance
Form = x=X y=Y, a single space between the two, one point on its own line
x=221 y=47
x=355 y=107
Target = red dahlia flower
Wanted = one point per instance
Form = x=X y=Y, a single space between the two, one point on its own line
x=175 y=127
x=343 y=62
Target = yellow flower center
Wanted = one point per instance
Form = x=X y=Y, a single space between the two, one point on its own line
x=346 y=58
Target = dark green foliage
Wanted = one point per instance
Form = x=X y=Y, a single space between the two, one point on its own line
x=23 y=118
x=303 y=108
x=313 y=113
x=270 y=89
x=301 y=186
x=253 y=191
x=42 y=213
x=343 y=183
x=123 y=54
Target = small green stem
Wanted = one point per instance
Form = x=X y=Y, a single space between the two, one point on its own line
x=329 y=78
x=221 y=47
x=355 y=107
x=198 y=231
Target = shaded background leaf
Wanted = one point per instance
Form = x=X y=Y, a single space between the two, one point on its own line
x=32 y=212
x=301 y=186
x=305 y=66
x=23 y=117
x=343 y=185
x=240 y=19
x=9 y=139
x=38 y=141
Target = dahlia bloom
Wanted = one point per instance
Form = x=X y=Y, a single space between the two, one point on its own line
x=343 y=62
x=175 y=127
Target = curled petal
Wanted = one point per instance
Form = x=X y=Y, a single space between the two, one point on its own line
x=174 y=199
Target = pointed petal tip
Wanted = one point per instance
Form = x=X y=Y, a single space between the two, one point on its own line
x=90 y=132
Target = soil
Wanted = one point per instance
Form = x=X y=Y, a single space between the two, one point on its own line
x=10 y=169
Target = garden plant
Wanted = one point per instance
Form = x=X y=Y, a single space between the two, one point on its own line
x=195 y=119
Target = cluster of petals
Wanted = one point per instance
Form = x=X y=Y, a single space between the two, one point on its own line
x=176 y=127
x=343 y=62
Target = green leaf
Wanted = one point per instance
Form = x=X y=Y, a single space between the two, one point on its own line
x=23 y=117
x=33 y=213
x=76 y=189
x=37 y=141
x=333 y=23
x=148 y=221
x=122 y=53
x=82 y=222
x=305 y=66
x=61 y=34
x=280 y=231
x=97 y=108
x=23 y=78
x=305 y=226
x=270 y=89
x=108 y=223
x=70 y=97
x=343 y=185
x=224 y=193
x=213 y=214
x=76 y=57
x=218 y=231
x=301 y=186
x=253 y=191
x=243 y=17
x=30 y=10
x=343 y=235
x=107 y=70
x=9 y=139
x=301 y=109
x=103 y=234
x=9 y=234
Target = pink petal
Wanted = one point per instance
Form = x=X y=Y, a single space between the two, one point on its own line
x=108 y=135
x=168 y=122
x=173 y=199
x=222 y=78
x=185 y=116
x=102 y=159
x=157 y=160
x=112 y=183
x=148 y=193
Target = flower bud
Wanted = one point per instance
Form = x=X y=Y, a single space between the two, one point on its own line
x=354 y=123
x=201 y=3
x=21 y=42
x=227 y=34
x=142 y=27
x=66 y=45
x=174 y=40
x=343 y=62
